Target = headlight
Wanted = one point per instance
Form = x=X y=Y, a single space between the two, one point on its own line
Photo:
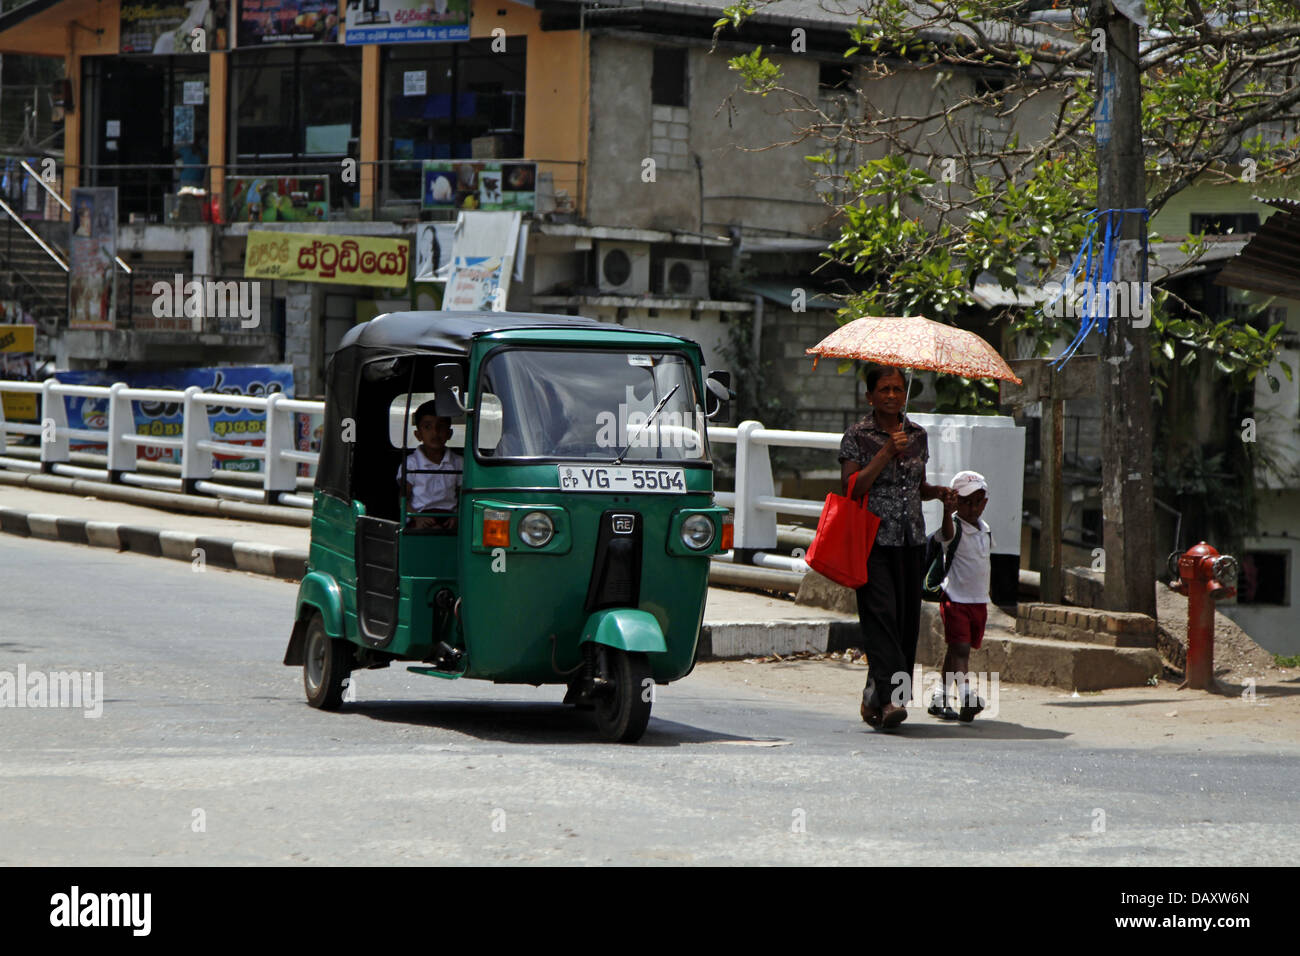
x=537 y=529
x=697 y=532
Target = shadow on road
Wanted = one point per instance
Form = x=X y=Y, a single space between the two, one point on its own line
x=928 y=728
x=530 y=723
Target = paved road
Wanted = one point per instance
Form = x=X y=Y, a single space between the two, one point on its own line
x=202 y=725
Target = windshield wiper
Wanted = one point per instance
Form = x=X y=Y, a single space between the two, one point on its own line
x=645 y=424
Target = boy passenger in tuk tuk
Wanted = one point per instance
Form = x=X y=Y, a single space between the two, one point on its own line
x=432 y=472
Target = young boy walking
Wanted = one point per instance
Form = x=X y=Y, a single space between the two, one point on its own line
x=965 y=596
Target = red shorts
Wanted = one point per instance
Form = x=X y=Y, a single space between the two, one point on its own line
x=963 y=623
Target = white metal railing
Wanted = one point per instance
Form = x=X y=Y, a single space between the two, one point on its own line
x=279 y=455
x=992 y=445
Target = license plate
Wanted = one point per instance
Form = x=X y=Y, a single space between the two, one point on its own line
x=654 y=481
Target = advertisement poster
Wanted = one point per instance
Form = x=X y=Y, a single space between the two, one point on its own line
x=17 y=362
x=241 y=426
x=92 y=291
x=475 y=285
x=481 y=184
x=182 y=125
x=433 y=250
x=266 y=199
x=307 y=431
x=287 y=21
x=406 y=21
x=308 y=257
x=167 y=26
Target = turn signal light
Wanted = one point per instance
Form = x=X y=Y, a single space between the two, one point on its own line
x=496 y=529
x=728 y=533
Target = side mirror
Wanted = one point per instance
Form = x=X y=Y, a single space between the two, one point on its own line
x=449 y=389
x=717 y=400
x=487 y=422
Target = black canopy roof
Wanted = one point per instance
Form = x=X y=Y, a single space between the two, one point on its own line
x=452 y=332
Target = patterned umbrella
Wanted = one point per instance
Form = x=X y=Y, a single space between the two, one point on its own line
x=915 y=342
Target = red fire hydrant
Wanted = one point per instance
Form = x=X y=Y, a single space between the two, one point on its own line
x=1204 y=576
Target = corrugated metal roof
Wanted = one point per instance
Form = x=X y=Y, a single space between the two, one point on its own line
x=1270 y=263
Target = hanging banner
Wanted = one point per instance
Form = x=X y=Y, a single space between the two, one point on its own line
x=308 y=257
x=168 y=26
x=92 y=291
x=286 y=199
x=287 y=21
x=475 y=285
x=434 y=242
x=479 y=185
x=406 y=21
x=238 y=426
x=483 y=263
x=18 y=362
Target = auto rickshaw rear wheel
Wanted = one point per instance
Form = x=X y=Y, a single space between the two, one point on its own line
x=623 y=712
x=325 y=666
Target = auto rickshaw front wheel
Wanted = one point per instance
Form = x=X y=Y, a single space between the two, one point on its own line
x=623 y=712
x=325 y=666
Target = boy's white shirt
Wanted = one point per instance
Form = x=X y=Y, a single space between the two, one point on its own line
x=968 y=577
x=437 y=492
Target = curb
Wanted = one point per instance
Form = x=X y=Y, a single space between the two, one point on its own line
x=288 y=564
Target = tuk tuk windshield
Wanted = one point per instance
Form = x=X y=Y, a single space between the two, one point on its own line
x=588 y=404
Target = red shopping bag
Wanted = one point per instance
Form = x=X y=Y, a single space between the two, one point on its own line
x=845 y=532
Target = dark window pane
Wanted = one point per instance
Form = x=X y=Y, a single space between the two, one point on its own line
x=668 y=81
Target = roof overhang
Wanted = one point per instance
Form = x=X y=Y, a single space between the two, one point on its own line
x=58 y=28
x=1270 y=262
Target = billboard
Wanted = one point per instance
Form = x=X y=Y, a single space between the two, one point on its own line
x=168 y=26
x=282 y=199
x=490 y=185
x=287 y=21
x=312 y=257
x=406 y=21
x=18 y=362
x=92 y=248
x=242 y=426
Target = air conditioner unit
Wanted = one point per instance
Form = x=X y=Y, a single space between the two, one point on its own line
x=685 y=278
x=623 y=268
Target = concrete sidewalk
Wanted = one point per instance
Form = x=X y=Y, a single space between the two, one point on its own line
x=737 y=624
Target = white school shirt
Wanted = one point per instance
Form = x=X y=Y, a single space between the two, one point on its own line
x=432 y=492
x=968 y=577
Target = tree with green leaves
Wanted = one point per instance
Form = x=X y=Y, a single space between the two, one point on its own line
x=987 y=166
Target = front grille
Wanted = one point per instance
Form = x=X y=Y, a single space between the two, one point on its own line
x=616 y=569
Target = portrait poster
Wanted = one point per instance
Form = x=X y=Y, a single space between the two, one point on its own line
x=92 y=249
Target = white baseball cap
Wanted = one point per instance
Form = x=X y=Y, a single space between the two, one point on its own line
x=968 y=482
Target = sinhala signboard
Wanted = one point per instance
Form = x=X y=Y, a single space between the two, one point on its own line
x=240 y=426
x=406 y=21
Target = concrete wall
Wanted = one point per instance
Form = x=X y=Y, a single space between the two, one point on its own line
x=774 y=186
x=1271 y=626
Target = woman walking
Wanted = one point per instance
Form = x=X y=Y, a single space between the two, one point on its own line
x=889 y=453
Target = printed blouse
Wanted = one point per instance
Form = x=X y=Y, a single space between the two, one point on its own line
x=895 y=496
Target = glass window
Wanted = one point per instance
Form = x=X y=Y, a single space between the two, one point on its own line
x=440 y=97
x=297 y=112
x=668 y=79
x=590 y=405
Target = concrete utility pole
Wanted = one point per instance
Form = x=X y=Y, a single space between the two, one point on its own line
x=1127 y=497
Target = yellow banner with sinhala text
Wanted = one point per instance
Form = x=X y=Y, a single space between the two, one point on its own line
x=310 y=257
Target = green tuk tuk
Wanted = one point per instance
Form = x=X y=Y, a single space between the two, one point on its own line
x=575 y=550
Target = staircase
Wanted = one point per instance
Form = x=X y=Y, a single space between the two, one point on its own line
x=30 y=277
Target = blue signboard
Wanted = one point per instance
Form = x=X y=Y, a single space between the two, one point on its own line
x=164 y=419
